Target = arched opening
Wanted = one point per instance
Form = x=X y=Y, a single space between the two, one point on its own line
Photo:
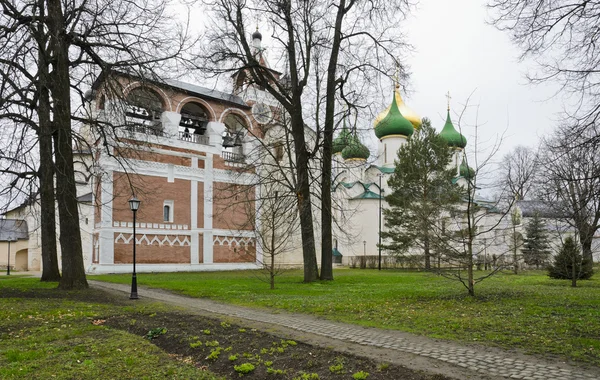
x=21 y=260
x=194 y=120
x=233 y=137
x=144 y=109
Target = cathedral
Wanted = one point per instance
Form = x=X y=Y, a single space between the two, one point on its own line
x=361 y=181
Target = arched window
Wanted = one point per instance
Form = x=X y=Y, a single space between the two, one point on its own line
x=144 y=107
x=168 y=211
x=233 y=136
x=194 y=120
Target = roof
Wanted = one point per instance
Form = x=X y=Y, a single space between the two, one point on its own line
x=85 y=198
x=183 y=86
x=542 y=208
x=206 y=92
x=13 y=229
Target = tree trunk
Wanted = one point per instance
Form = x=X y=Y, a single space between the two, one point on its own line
x=273 y=226
x=50 y=271
x=427 y=254
x=326 y=217
x=470 y=277
x=574 y=273
x=303 y=196
x=73 y=272
x=586 y=249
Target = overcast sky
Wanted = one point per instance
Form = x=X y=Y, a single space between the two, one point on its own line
x=456 y=51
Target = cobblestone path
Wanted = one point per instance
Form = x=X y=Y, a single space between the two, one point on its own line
x=499 y=364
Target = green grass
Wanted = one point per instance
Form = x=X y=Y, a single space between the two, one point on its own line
x=527 y=311
x=53 y=337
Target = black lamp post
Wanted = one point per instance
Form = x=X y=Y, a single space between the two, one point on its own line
x=134 y=205
x=8 y=265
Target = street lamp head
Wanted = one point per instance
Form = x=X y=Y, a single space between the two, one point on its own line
x=134 y=204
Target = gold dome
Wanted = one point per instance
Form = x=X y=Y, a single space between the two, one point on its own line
x=408 y=114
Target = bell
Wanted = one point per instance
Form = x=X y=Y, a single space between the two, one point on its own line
x=228 y=142
x=238 y=140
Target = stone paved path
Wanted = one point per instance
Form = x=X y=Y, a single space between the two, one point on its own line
x=485 y=362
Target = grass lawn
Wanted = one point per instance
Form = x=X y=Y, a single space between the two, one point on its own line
x=527 y=311
x=45 y=336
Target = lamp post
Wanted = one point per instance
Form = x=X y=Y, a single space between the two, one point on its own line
x=8 y=261
x=380 y=195
x=134 y=205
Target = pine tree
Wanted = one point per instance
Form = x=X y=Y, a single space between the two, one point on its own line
x=536 y=246
x=569 y=264
x=421 y=189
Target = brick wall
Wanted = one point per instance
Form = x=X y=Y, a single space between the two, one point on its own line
x=152 y=191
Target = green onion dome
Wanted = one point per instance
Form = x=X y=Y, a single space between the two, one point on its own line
x=451 y=135
x=466 y=171
x=355 y=150
x=340 y=142
x=393 y=123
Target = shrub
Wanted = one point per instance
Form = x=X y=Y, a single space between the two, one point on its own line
x=155 y=333
x=337 y=368
x=245 y=368
x=214 y=354
x=569 y=264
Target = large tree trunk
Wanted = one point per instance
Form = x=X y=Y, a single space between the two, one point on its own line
x=50 y=270
x=326 y=217
x=303 y=196
x=73 y=272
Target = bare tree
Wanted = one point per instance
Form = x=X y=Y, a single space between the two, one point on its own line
x=314 y=39
x=570 y=183
x=25 y=104
x=470 y=229
x=78 y=40
x=517 y=172
x=563 y=38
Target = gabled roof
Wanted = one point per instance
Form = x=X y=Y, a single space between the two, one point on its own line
x=13 y=229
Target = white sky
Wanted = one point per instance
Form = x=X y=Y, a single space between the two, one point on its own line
x=456 y=51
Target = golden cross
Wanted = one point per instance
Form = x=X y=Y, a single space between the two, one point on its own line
x=448 y=97
x=397 y=76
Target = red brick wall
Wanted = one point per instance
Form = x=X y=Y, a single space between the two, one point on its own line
x=234 y=254
x=152 y=191
x=233 y=206
x=152 y=254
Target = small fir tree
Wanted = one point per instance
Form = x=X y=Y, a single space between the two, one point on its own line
x=536 y=246
x=569 y=264
x=421 y=189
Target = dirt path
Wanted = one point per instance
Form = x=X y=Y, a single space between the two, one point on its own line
x=412 y=351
